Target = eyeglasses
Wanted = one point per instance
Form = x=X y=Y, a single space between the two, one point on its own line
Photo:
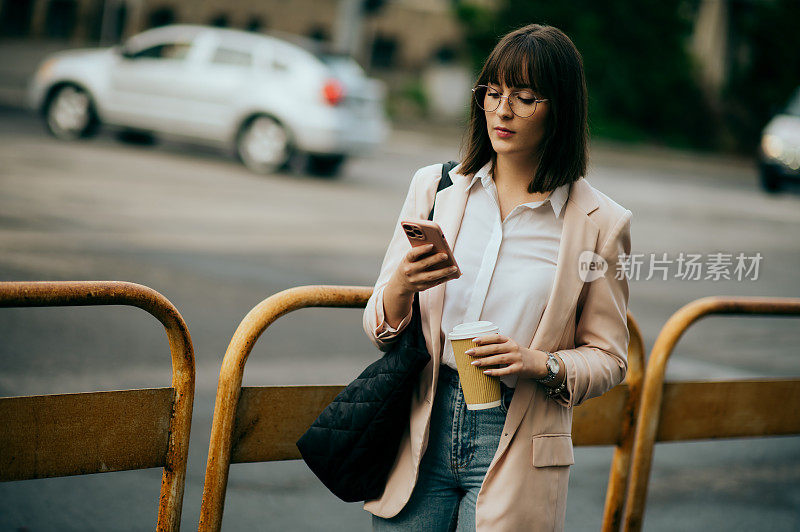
x=522 y=103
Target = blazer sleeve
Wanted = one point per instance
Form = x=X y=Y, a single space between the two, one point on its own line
x=381 y=334
x=600 y=359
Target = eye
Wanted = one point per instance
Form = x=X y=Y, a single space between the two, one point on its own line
x=526 y=99
x=491 y=93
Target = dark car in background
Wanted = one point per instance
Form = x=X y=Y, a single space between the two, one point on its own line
x=779 y=154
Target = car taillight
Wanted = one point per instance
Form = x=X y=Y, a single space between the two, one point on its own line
x=333 y=92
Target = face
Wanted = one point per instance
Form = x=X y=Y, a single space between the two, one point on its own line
x=526 y=133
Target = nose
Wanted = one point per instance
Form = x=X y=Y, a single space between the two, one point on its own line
x=504 y=109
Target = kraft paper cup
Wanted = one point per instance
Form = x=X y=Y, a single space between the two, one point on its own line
x=480 y=390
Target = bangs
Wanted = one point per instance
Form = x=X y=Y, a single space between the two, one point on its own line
x=514 y=65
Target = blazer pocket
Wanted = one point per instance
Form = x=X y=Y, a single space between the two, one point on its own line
x=552 y=450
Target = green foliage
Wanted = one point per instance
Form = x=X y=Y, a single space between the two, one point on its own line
x=638 y=71
x=481 y=32
x=407 y=99
x=415 y=92
x=765 y=67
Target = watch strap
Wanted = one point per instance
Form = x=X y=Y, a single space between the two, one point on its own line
x=558 y=389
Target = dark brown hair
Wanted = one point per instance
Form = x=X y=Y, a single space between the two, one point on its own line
x=545 y=60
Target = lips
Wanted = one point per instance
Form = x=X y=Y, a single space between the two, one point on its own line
x=503 y=133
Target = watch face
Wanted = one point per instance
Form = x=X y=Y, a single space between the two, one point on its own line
x=552 y=365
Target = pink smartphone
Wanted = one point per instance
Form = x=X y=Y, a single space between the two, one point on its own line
x=421 y=232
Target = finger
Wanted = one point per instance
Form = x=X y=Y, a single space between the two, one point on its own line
x=431 y=261
x=511 y=369
x=495 y=338
x=490 y=349
x=434 y=275
x=430 y=264
x=449 y=276
x=494 y=360
x=418 y=252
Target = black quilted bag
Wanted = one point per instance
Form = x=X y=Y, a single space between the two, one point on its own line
x=352 y=445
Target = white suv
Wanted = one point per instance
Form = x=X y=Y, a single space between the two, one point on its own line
x=267 y=97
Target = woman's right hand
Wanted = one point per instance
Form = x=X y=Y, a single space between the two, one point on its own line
x=421 y=269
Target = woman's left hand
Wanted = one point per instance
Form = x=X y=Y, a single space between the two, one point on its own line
x=497 y=350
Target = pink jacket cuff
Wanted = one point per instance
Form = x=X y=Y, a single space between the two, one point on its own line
x=383 y=331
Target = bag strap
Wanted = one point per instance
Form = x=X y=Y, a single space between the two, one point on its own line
x=444 y=182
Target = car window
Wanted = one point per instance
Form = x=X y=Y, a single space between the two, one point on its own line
x=279 y=65
x=283 y=58
x=174 y=51
x=286 y=57
x=229 y=56
x=343 y=65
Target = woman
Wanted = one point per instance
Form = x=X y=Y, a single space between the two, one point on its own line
x=523 y=225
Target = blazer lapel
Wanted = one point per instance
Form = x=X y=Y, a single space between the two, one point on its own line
x=579 y=233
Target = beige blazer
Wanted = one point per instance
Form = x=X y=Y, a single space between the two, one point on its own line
x=525 y=487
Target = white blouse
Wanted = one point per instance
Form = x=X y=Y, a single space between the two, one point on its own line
x=508 y=266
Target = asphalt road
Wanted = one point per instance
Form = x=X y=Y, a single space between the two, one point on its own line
x=216 y=239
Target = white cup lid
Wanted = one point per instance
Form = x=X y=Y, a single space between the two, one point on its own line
x=473 y=329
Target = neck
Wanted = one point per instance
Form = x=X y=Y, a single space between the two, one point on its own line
x=514 y=171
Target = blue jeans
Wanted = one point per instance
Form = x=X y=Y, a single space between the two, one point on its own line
x=461 y=445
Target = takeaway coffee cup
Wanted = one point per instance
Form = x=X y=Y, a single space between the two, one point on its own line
x=480 y=390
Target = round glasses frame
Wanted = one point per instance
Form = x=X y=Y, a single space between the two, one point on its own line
x=476 y=90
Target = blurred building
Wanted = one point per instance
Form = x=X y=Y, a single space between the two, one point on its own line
x=415 y=45
x=393 y=34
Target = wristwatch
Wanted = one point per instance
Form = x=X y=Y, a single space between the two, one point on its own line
x=552 y=368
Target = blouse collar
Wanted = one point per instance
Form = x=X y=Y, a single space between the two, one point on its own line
x=557 y=197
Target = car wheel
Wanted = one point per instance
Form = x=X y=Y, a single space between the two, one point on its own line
x=325 y=165
x=70 y=113
x=770 y=181
x=263 y=145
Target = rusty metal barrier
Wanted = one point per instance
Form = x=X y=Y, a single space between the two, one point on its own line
x=77 y=434
x=680 y=411
x=631 y=390
x=261 y=424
